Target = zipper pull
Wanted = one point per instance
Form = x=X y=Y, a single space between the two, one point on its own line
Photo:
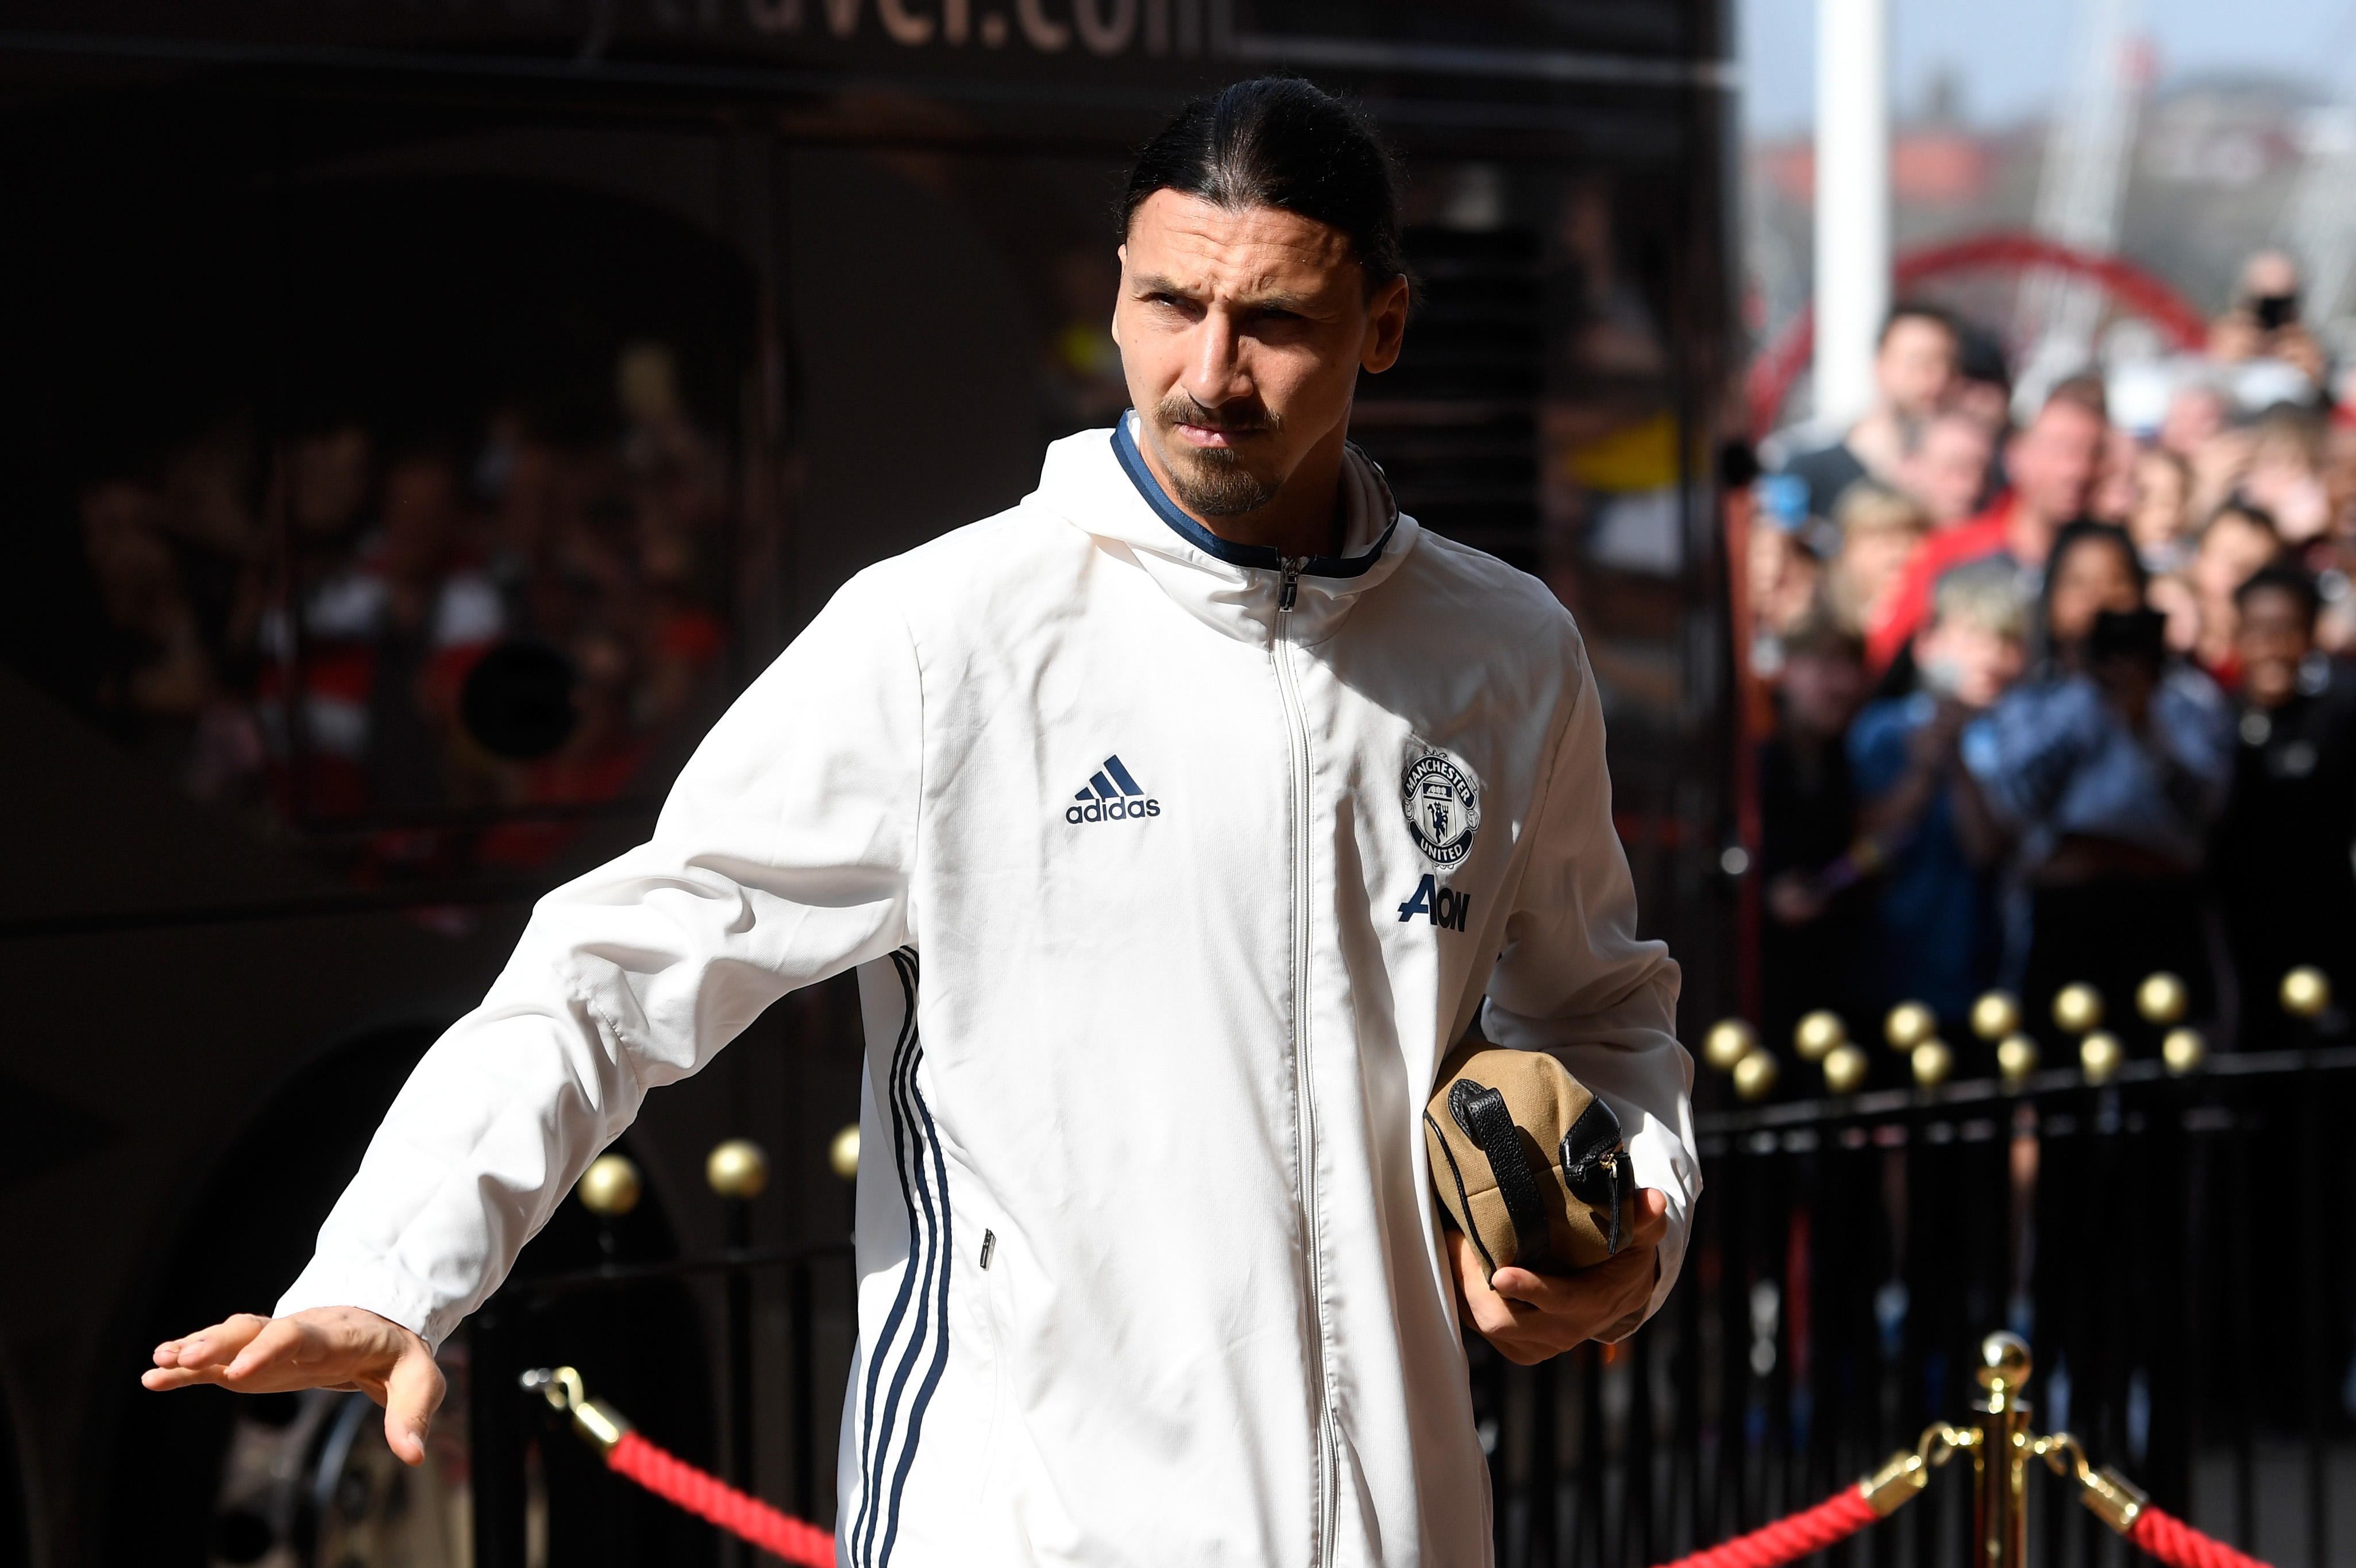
x=1291 y=590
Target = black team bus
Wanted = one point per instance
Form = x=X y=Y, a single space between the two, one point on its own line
x=420 y=416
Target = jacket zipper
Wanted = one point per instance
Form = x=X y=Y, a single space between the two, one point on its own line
x=1304 y=1082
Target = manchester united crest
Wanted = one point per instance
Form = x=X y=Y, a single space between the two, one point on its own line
x=1443 y=808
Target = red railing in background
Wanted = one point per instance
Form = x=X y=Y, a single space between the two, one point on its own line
x=1777 y=366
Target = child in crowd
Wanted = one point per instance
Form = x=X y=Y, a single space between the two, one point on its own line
x=1922 y=819
x=2285 y=477
x=2110 y=767
x=2197 y=412
x=1785 y=576
x=2112 y=499
x=1807 y=818
x=1879 y=528
x=2157 y=521
x=2239 y=539
x=2280 y=857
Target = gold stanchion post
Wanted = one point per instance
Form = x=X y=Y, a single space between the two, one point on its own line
x=2000 y=1457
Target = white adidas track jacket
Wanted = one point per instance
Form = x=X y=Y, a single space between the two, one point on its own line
x=1170 y=871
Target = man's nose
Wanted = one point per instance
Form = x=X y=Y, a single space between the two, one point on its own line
x=1216 y=373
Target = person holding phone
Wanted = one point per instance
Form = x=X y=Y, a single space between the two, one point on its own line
x=2261 y=335
x=2109 y=765
x=1934 y=929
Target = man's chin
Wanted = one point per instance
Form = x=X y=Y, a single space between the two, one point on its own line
x=1212 y=482
x=1220 y=492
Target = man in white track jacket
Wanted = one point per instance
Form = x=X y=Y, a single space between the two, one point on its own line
x=1178 y=821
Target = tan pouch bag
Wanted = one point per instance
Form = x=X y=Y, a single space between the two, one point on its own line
x=1528 y=1162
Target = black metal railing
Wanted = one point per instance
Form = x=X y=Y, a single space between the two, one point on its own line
x=2172 y=1246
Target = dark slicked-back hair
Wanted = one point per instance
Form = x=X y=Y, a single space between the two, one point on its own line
x=1280 y=142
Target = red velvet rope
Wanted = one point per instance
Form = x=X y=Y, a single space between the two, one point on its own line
x=2175 y=1542
x=1836 y=1518
x=675 y=1480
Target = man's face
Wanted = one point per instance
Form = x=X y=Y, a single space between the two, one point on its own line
x=1242 y=335
x=2269 y=274
x=1915 y=366
x=2272 y=638
x=2055 y=462
x=1947 y=471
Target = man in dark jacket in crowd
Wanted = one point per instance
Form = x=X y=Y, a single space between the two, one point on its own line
x=2281 y=851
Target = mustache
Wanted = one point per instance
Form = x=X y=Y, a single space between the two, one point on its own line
x=1234 y=419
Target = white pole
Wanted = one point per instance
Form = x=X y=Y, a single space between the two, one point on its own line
x=1852 y=202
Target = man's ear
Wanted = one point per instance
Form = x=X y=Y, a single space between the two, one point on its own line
x=1121 y=254
x=1386 y=323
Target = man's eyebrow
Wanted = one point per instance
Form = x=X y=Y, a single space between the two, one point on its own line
x=1273 y=299
x=1156 y=283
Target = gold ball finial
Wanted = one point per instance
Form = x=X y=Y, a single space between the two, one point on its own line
x=1845 y=1069
x=1754 y=1075
x=1995 y=1015
x=1933 y=1062
x=2184 y=1050
x=2004 y=1358
x=2305 y=992
x=2016 y=1058
x=1727 y=1042
x=1909 y=1025
x=2099 y=1056
x=2077 y=1008
x=842 y=1153
x=611 y=1187
x=738 y=1168
x=2162 y=998
x=1816 y=1036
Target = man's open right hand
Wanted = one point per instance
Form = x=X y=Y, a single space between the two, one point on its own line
x=327 y=1346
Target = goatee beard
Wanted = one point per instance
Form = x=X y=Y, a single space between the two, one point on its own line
x=1212 y=482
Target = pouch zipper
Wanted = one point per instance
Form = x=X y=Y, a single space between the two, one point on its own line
x=1304 y=1082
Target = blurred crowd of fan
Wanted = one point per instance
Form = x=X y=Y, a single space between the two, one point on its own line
x=422 y=648
x=2061 y=695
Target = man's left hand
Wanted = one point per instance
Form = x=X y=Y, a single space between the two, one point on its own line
x=1531 y=1317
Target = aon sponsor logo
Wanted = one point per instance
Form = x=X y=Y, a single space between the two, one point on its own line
x=1444 y=907
x=1111 y=795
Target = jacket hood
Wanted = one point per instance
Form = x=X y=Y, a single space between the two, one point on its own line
x=1097 y=482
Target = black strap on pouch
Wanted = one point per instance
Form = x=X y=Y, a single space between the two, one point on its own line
x=1482 y=1113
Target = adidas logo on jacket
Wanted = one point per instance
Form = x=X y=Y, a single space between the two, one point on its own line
x=1111 y=795
x=1149 y=1266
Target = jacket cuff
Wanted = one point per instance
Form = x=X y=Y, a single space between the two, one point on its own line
x=372 y=1287
x=1669 y=1172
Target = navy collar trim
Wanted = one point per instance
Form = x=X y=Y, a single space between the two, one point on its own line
x=1260 y=556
